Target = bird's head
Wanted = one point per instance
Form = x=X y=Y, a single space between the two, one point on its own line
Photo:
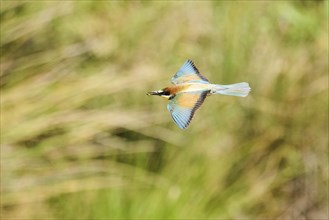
x=165 y=93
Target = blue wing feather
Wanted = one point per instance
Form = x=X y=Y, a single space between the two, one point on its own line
x=182 y=116
x=188 y=73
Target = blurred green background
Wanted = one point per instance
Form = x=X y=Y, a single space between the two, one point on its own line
x=80 y=139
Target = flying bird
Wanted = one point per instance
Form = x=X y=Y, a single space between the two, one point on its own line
x=190 y=90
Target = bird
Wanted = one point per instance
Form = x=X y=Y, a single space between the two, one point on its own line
x=189 y=91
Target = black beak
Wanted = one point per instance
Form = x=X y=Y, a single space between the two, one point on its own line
x=153 y=93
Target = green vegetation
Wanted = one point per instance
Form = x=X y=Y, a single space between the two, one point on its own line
x=81 y=140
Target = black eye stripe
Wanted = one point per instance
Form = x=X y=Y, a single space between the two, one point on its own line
x=164 y=93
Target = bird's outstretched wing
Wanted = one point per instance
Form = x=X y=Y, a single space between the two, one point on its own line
x=183 y=106
x=188 y=73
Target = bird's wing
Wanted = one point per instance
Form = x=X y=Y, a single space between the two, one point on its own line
x=183 y=106
x=188 y=73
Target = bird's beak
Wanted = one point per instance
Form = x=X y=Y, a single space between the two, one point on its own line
x=153 y=93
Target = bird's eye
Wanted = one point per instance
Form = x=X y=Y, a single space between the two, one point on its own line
x=166 y=93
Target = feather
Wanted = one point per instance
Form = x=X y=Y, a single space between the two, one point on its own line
x=188 y=73
x=183 y=106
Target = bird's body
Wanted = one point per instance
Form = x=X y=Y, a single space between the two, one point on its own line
x=189 y=87
x=190 y=90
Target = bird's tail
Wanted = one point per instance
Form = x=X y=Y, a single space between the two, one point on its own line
x=238 y=89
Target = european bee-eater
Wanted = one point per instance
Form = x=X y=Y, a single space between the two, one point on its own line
x=190 y=90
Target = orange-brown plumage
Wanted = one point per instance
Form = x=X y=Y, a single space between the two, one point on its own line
x=173 y=90
x=188 y=100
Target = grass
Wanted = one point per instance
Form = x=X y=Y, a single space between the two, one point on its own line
x=81 y=140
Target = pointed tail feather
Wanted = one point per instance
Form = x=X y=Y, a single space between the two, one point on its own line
x=238 y=89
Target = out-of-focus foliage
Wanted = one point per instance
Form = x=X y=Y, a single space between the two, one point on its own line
x=80 y=139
